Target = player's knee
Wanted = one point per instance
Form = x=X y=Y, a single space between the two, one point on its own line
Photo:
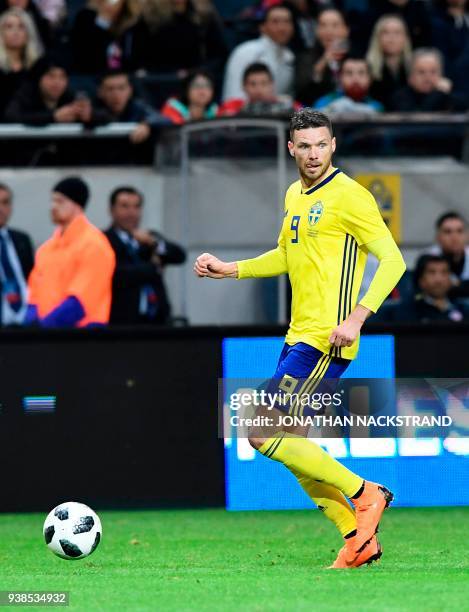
x=255 y=441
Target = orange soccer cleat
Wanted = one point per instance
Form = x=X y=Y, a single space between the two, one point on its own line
x=369 y=508
x=348 y=558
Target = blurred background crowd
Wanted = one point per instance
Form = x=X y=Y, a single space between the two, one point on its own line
x=157 y=61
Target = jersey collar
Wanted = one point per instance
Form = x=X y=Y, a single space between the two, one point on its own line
x=322 y=183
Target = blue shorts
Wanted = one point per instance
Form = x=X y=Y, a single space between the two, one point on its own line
x=304 y=371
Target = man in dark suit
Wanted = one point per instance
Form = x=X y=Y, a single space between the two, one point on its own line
x=16 y=262
x=139 y=293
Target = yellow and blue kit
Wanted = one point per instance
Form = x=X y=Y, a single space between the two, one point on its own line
x=326 y=234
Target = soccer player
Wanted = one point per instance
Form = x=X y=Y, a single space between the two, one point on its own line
x=330 y=224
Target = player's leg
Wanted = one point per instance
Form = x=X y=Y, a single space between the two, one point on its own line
x=300 y=370
x=301 y=455
x=328 y=498
x=335 y=507
x=304 y=457
x=331 y=502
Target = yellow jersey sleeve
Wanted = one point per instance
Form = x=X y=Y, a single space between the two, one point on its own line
x=391 y=268
x=272 y=263
x=362 y=219
x=361 y=216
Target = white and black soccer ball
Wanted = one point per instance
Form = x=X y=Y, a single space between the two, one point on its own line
x=72 y=530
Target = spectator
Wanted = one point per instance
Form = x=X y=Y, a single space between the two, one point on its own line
x=16 y=262
x=260 y=95
x=180 y=35
x=450 y=29
x=452 y=244
x=116 y=103
x=139 y=293
x=432 y=279
x=29 y=7
x=389 y=55
x=103 y=36
x=46 y=98
x=304 y=15
x=53 y=10
x=414 y=13
x=352 y=93
x=71 y=282
x=317 y=71
x=196 y=101
x=270 y=48
x=19 y=49
x=427 y=89
x=304 y=20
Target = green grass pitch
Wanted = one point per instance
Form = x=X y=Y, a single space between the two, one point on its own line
x=249 y=561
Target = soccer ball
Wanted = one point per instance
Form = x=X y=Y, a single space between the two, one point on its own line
x=72 y=530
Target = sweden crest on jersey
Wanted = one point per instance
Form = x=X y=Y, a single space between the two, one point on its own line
x=315 y=212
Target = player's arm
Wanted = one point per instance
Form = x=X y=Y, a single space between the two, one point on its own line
x=268 y=264
x=391 y=268
x=363 y=221
x=271 y=263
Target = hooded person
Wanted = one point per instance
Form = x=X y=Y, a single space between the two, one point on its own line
x=46 y=97
x=71 y=282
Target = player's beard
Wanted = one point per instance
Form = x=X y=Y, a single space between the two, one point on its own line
x=315 y=177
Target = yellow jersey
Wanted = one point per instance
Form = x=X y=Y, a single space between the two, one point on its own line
x=323 y=247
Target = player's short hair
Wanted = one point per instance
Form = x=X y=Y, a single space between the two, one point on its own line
x=449 y=215
x=309 y=118
x=257 y=68
x=124 y=189
x=4 y=187
x=423 y=262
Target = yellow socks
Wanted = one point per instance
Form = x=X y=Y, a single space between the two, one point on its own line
x=331 y=502
x=302 y=456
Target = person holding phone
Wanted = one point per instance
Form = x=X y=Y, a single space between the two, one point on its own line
x=46 y=98
x=317 y=70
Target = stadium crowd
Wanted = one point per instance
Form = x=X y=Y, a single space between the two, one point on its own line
x=169 y=61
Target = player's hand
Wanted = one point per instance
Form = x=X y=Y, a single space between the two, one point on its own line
x=348 y=331
x=345 y=334
x=207 y=265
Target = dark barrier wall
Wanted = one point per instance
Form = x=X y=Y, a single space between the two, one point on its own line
x=135 y=421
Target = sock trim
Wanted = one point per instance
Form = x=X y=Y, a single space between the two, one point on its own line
x=359 y=492
x=274 y=447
